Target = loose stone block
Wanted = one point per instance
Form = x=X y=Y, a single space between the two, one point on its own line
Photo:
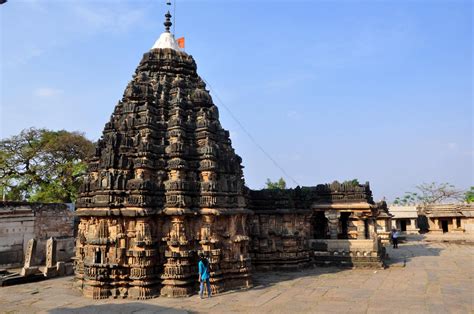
x=30 y=251
x=28 y=268
x=50 y=268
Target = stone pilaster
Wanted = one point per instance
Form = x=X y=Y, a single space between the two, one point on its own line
x=179 y=275
x=333 y=222
x=27 y=269
x=50 y=267
x=360 y=229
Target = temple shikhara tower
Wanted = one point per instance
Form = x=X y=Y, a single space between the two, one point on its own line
x=165 y=184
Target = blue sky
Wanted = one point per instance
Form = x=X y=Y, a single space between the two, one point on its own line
x=381 y=91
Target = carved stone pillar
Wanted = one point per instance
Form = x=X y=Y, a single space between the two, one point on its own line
x=333 y=222
x=360 y=223
x=414 y=225
x=50 y=268
x=143 y=268
x=433 y=225
x=210 y=248
x=178 y=276
x=30 y=251
x=29 y=259
x=371 y=226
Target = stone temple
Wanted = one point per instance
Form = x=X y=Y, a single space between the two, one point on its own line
x=165 y=184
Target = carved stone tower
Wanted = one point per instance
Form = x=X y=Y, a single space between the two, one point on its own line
x=164 y=185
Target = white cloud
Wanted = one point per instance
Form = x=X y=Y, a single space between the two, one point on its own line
x=110 y=18
x=47 y=92
x=452 y=145
x=293 y=115
x=80 y=19
x=24 y=56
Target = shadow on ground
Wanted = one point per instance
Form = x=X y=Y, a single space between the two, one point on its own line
x=406 y=252
x=132 y=307
x=262 y=280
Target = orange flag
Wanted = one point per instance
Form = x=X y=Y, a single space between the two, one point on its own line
x=180 y=42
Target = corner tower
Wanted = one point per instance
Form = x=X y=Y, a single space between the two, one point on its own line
x=164 y=185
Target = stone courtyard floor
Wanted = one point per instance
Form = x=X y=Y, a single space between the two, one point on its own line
x=424 y=277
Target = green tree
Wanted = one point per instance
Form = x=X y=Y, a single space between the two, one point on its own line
x=410 y=198
x=277 y=185
x=43 y=165
x=353 y=182
x=469 y=196
x=431 y=193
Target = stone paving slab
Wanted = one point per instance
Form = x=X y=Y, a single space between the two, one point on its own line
x=438 y=278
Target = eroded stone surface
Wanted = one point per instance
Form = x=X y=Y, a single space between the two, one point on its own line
x=165 y=184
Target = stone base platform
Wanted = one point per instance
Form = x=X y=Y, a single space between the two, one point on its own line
x=348 y=253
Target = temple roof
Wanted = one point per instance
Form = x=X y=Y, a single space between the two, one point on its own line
x=400 y=212
x=448 y=210
x=164 y=150
x=166 y=40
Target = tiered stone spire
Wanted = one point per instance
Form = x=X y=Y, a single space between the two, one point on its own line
x=165 y=184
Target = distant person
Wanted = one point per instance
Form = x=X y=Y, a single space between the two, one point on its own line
x=203 y=267
x=394 y=235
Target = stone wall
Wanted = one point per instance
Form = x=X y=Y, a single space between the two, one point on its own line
x=468 y=225
x=21 y=221
x=360 y=253
x=17 y=224
x=158 y=255
x=279 y=239
x=286 y=223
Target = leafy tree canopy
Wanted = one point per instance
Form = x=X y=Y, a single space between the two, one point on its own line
x=353 y=182
x=432 y=193
x=469 y=196
x=43 y=165
x=277 y=185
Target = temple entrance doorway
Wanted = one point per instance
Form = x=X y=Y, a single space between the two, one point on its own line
x=343 y=225
x=444 y=225
x=403 y=225
x=320 y=226
x=98 y=257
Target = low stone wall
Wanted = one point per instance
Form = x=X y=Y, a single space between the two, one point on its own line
x=21 y=221
x=351 y=253
x=345 y=245
x=17 y=225
x=468 y=224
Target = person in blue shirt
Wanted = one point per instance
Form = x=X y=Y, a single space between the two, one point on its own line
x=395 y=235
x=203 y=267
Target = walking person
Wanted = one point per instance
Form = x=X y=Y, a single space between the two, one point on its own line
x=394 y=235
x=204 y=273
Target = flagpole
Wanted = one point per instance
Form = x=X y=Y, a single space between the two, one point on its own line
x=174 y=17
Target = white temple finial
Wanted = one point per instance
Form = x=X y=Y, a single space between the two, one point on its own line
x=166 y=39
